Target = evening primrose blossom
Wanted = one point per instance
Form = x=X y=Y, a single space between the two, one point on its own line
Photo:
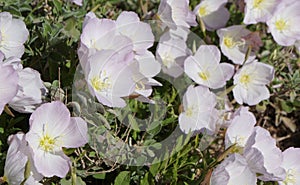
x=51 y=129
x=233 y=45
x=213 y=13
x=259 y=10
x=13 y=34
x=199 y=111
x=109 y=79
x=291 y=164
x=205 y=67
x=284 y=25
x=250 y=82
x=9 y=84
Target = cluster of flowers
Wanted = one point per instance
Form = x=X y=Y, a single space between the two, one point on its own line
x=116 y=62
x=39 y=152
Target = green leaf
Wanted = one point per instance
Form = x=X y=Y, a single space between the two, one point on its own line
x=99 y=176
x=123 y=178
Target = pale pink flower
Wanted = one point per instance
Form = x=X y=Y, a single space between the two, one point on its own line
x=205 y=67
x=250 y=82
x=259 y=10
x=234 y=45
x=291 y=164
x=51 y=129
x=171 y=53
x=240 y=129
x=30 y=91
x=261 y=153
x=13 y=34
x=109 y=79
x=233 y=170
x=199 y=111
x=18 y=155
x=213 y=13
x=9 y=84
x=140 y=33
x=284 y=24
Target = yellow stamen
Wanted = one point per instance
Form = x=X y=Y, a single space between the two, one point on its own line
x=228 y=41
x=281 y=25
x=202 y=11
x=204 y=75
x=100 y=84
x=47 y=143
x=257 y=3
x=245 y=79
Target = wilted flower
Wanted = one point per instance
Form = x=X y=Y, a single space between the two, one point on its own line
x=205 y=68
x=291 y=164
x=109 y=79
x=30 y=91
x=51 y=129
x=199 y=111
x=233 y=170
x=234 y=45
x=259 y=10
x=171 y=53
x=9 y=84
x=213 y=13
x=13 y=34
x=18 y=155
x=250 y=83
x=284 y=23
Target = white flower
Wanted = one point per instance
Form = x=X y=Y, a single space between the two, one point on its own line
x=250 y=83
x=171 y=53
x=233 y=44
x=261 y=153
x=199 y=111
x=240 y=128
x=110 y=79
x=13 y=34
x=284 y=24
x=51 y=129
x=18 y=155
x=140 y=33
x=233 y=170
x=205 y=67
x=30 y=91
x=8 y=84
x=291 y=164
x=213 y=13
x=259 y=10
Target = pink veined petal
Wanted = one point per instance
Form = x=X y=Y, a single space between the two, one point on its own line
x=187 y=124
x=148 y=66
x=192 y=69
x=53 y=116
x=76 y=134
x=17 y=32
x=257 y=93
x=227 y=70
x=50 y=165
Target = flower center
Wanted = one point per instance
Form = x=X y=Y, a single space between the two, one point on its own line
x=257 y=3
x=228 y=41
x=202 y=11
x=100 y=84
x=167 y=61
x=291 y=176
x=281 y=25
x=245 y=79
x=204 y=75
x=47 y=143
x=189 y=112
